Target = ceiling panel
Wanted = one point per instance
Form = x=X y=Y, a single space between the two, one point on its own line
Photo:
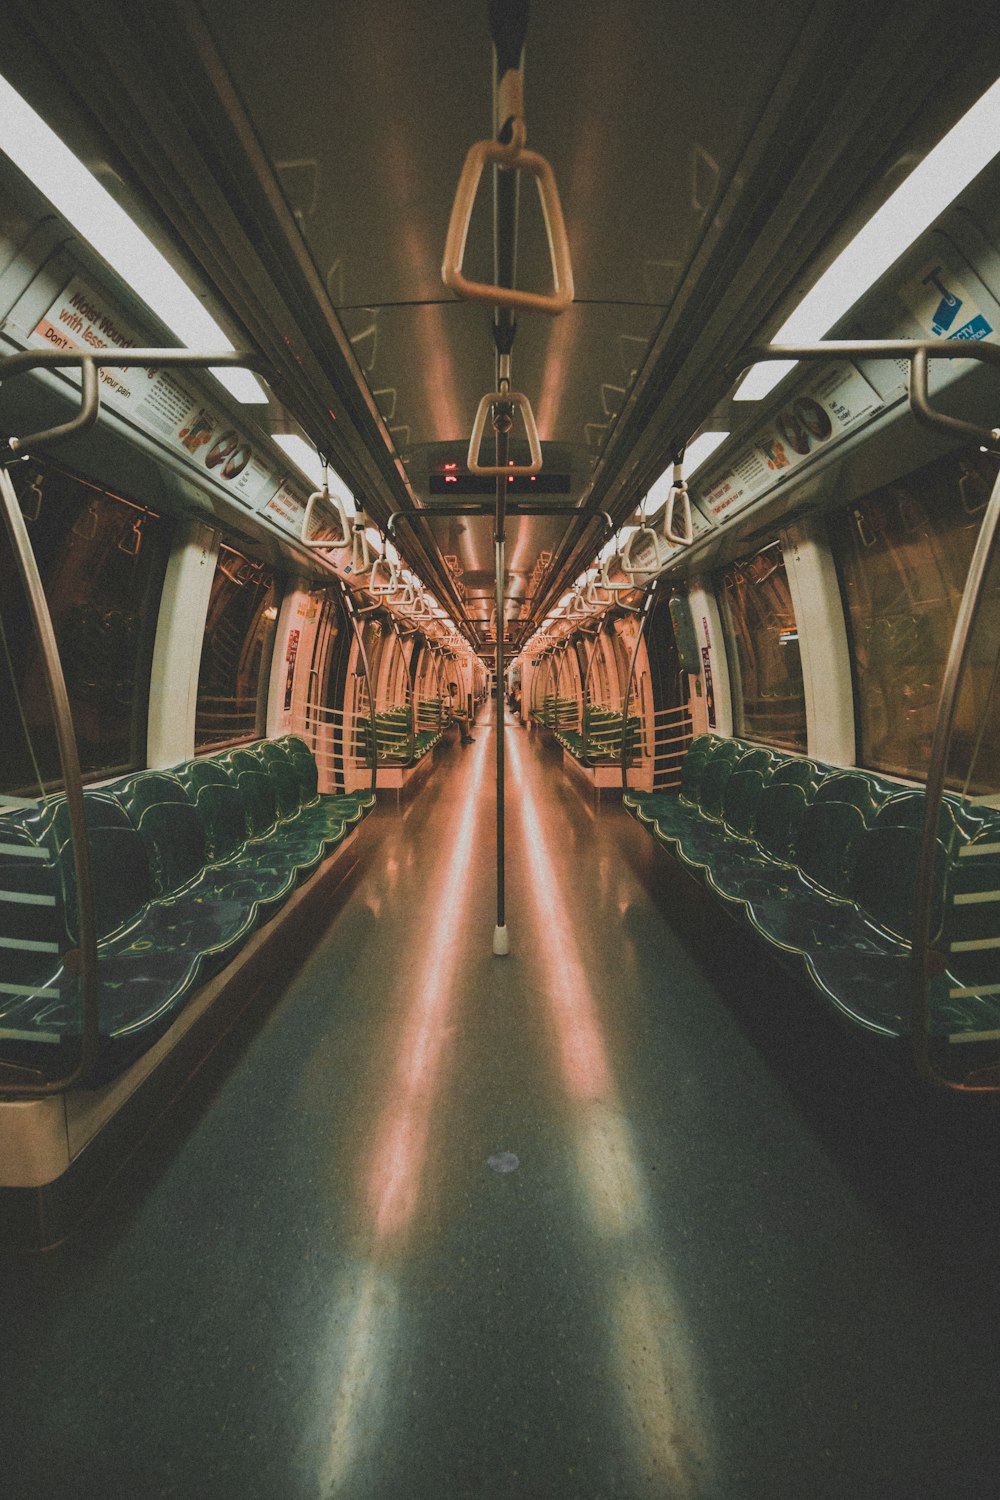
x=366 y=110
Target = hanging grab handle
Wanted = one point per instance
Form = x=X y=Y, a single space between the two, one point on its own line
x=510 y=156
x=511 y=398
x=361 y=557
x=682 y=535
x=631 y=571
x=596 y=582
x=334 y=503
x=384 y=579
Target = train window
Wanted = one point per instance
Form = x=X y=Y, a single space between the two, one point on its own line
x=768 y=695
x=102 y=560
x=236 y=656
x=902 y=553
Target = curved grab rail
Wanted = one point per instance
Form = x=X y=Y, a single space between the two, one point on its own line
x=648 y=607
x=916 y=351
x=922 y=955
x=85 y=956
x=509 y=157
x=89 y=361
x=509 y=398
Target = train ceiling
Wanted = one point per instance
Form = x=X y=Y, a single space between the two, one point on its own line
x=301 y=159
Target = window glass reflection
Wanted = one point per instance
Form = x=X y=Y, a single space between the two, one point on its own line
x=768 y=694
x=903 y=554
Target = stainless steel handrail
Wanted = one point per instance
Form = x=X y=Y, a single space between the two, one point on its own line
x=917 y=352
x=351 y=611
x=648 y=605
x=86 y=953
x=89 y=361
x=951 y=685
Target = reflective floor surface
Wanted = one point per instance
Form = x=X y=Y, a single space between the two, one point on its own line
x=622 y=1214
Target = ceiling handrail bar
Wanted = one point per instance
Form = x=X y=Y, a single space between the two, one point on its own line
x=917 y=352
x=89 y=362
x=509 y=156
x=486 y=405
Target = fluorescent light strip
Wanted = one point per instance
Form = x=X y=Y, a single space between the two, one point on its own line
x=72 y=189
x=944 y=173
x=699 y=451
x=305 y=458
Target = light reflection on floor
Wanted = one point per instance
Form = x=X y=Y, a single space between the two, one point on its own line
x=662 y=1406
x=365 y=1321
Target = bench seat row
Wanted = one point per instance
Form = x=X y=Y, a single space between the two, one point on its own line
x=186 y=864
x=602 y=744
x=820 y=862
x=556 y=713
x=397 y=743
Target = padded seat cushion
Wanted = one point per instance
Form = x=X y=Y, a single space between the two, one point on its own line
x=186 y=866
x=168 y=824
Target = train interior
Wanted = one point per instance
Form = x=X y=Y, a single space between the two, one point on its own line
x=500 y=778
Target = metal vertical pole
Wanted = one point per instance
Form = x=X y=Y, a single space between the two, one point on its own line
x=84 y=957
x=923 y=907
x=501 y=940
x=508 y=23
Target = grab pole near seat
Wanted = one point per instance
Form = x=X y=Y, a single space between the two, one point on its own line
x=85 y=957
x=923 y=957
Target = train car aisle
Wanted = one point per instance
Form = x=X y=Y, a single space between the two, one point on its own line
x=557 y=1225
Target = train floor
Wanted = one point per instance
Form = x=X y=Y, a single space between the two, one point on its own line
x=623 y=1214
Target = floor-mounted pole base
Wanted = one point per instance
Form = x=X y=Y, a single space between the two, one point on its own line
x=501 y=942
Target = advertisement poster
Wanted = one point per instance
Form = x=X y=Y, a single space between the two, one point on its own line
x=290 y=655
x=157 y=401
x=287 y=507
x=943 y=305
x=832 y=404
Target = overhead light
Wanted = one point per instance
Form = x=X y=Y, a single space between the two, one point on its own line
x=306 y=460
x=944 y=173
x=696 y=453
x=72 y=189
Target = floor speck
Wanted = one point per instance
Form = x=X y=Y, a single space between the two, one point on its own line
x=503 y=1161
